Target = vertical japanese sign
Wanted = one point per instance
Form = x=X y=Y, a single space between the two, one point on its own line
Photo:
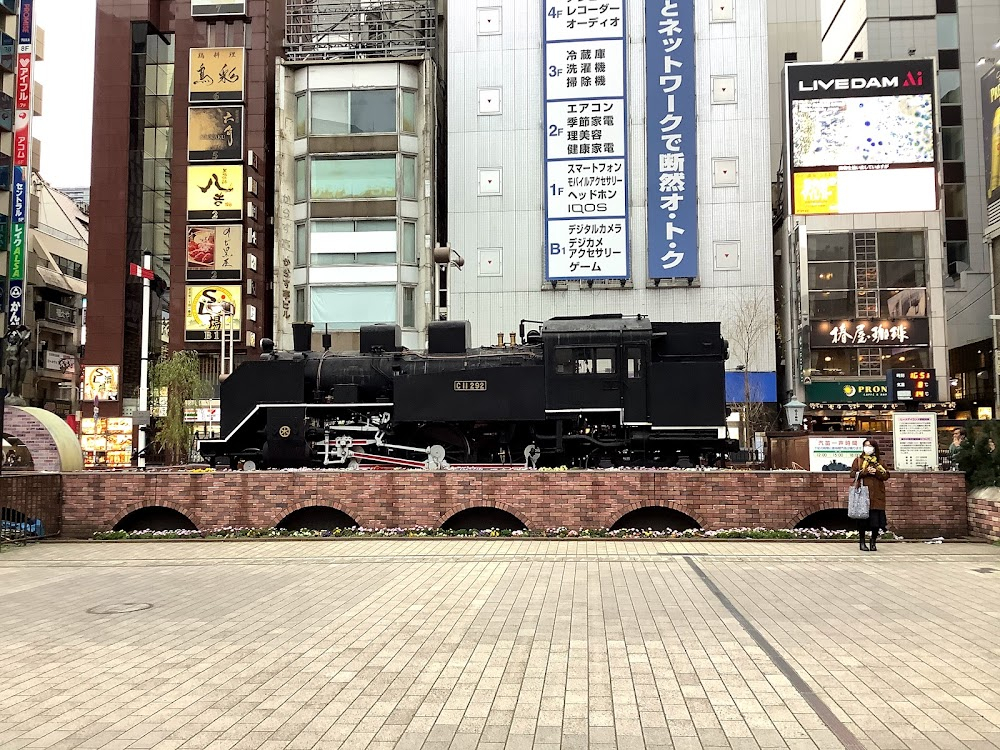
x=586 y=150
x=22 y=165
x=215 y=253
x=670 y=140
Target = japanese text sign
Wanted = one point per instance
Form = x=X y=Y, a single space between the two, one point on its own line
x=671 y=167
x=893 y=334
x=215 y=193
x=215 y=253
x=215 y=133
x=210 y=310
x=217 y=74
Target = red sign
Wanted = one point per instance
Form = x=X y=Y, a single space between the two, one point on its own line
x=22 y=138
x=137 y=270
x=23 y=87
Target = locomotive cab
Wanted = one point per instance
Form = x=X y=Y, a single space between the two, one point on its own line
x=598 y=365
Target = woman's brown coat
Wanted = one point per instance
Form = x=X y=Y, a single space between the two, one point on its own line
x=874 y=482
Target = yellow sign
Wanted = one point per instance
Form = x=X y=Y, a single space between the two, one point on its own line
x=212 y=309
x=816 y=193
x=216 y=74
x=100 y=382
x=215 y=193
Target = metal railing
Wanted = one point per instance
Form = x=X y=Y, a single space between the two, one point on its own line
x=322 y=30
x=30 y=506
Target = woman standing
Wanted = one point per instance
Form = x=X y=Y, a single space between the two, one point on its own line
x=873 y=475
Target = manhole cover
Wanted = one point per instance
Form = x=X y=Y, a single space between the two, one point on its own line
x=118 y=609
x=986 y=570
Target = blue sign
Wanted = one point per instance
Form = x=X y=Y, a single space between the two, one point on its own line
x=26 y=23
x=19 y=197
x=670 y=140
x=586 y=142
x=15 y=303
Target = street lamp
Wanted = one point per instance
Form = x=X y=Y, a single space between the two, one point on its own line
x=795 y=412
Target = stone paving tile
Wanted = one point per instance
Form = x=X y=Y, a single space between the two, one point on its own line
x=498 y=645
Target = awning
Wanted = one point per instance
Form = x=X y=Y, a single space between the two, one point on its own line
x=60 y=280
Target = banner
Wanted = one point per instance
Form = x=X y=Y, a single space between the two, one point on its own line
x=26 y=24
x=215 y=193
x=100 y=382
x=22 y=86
x=991 y=141
x=586 y=147
x=834 y=453
x=210 y=308
x=215 y=253
x=22 y=138
x=19 y=197
x=215 y=133
x=872 y=334
x=200 y=8
x=671 y=150
x=216 y=74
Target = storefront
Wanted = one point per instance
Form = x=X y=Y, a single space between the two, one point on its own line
x=106 y=442
x=856 y=406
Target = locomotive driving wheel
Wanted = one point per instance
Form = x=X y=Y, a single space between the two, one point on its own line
x=456 y=445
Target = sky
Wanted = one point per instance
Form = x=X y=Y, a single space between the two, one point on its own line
x=67 y=77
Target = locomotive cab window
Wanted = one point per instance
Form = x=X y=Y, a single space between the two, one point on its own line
x=585 y=360
x=633 y=362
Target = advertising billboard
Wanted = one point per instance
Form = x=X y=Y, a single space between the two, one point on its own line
x=210 y=308
x=215 y=253
x=217 y=74
x=202 y=8
x=862 y=137
x=586 y=160
x=991 y=142
x=100 y=382
x=215 y=193
x=872 y=334
x=215 y=133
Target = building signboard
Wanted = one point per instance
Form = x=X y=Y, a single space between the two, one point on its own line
x=861 y=137
x=872 y=334
x=100 y=383
x=215 y=253
x=60 y=362
x=60 y=313
x=586 y=119
x=210 y=309
x=217 y=74
x=202 y=8
x=991 y=142
x=914 y=441
x=19 y=197
x=22 y=137
x=14 y=300
x=671 y=152
x=834 y=453
x=215 y=193
x=22 y=84
x=912 y=385
x=848 y=392
x=215 y=133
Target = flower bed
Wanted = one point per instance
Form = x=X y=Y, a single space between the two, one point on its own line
x=230 y=532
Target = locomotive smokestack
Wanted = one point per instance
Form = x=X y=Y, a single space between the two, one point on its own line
x=302 y=336
x=499 y=339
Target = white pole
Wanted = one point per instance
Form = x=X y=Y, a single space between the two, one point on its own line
x=147 y=265
x=232 y=341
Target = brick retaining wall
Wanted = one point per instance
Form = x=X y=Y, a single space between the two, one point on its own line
x=984 y=513
x=920 y=504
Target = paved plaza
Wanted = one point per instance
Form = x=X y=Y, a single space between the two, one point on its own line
x=449 y=643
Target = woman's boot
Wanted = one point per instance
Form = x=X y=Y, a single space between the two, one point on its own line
x=874 y=537
x=864 y=547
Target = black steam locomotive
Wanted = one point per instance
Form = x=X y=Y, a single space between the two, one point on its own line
x=585 y=392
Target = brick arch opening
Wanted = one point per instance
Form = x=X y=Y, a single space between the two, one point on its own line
x=317 y=518
x=155 y=518
x=834 y=519
x=804 y=519
x=657 y=518
x=483 y=517
x=51 y=442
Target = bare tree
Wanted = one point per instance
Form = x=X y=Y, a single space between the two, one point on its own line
x=748 y=323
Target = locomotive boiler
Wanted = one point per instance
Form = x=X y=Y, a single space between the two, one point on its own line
x=585 y=392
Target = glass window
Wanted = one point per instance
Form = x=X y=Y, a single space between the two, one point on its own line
x=585 y=360
x=343 y=243
x=301 y=115
x=831 y=275
x=408 y=114
x=300 y=180
x=409 y=307
x=953 y=143
x=834 y=362
x=906 y=358
x=903 y=303
x=353 y=178
x=605 y=361
x=829 y=247
x=300 y=304
x=373 y=111
x=409 y=177
x=329 y=113
x=900 y=245
x=947 y=31
x=350 y=307
x=950 y=86
x=633 y=361
x=409 y=242
x=301 y=246
x=954 y=202
x=831 y=305
x=353 y=259
x=899 y=274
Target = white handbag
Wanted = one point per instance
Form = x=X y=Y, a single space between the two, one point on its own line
x=858 y=501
